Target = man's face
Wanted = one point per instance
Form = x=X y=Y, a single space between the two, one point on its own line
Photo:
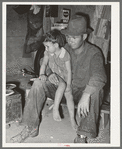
x=74 y=41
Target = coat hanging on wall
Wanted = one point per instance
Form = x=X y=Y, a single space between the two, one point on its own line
x=34 y=30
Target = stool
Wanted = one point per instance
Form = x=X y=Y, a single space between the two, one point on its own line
x=105 y=114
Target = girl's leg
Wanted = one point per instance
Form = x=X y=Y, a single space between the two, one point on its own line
x=58 y=96
x=70 y=105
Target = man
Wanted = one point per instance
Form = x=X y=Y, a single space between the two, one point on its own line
x=88 y=80
x=89 y=77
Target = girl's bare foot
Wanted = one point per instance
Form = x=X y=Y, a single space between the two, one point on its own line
x=56 y=115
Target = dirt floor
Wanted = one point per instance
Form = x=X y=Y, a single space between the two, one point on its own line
x=56 y=132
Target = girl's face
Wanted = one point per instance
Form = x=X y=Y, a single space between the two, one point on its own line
x=50 y=47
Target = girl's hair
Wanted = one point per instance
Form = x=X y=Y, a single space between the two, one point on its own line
x=55 y=36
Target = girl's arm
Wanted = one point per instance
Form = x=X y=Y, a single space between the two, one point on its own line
x=44 y=65
x=69 y=75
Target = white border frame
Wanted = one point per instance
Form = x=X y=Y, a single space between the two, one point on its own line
x=115 y=76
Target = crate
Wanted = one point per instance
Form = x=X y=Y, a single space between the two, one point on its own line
x=13 y=107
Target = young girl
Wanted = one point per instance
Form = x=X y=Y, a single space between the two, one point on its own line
x=58 y=60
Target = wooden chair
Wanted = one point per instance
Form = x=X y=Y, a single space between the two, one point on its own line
x=105 y=114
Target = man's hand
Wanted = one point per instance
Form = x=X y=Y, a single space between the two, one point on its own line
x=83 y=105
x=53 y=79
x=43 y=77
